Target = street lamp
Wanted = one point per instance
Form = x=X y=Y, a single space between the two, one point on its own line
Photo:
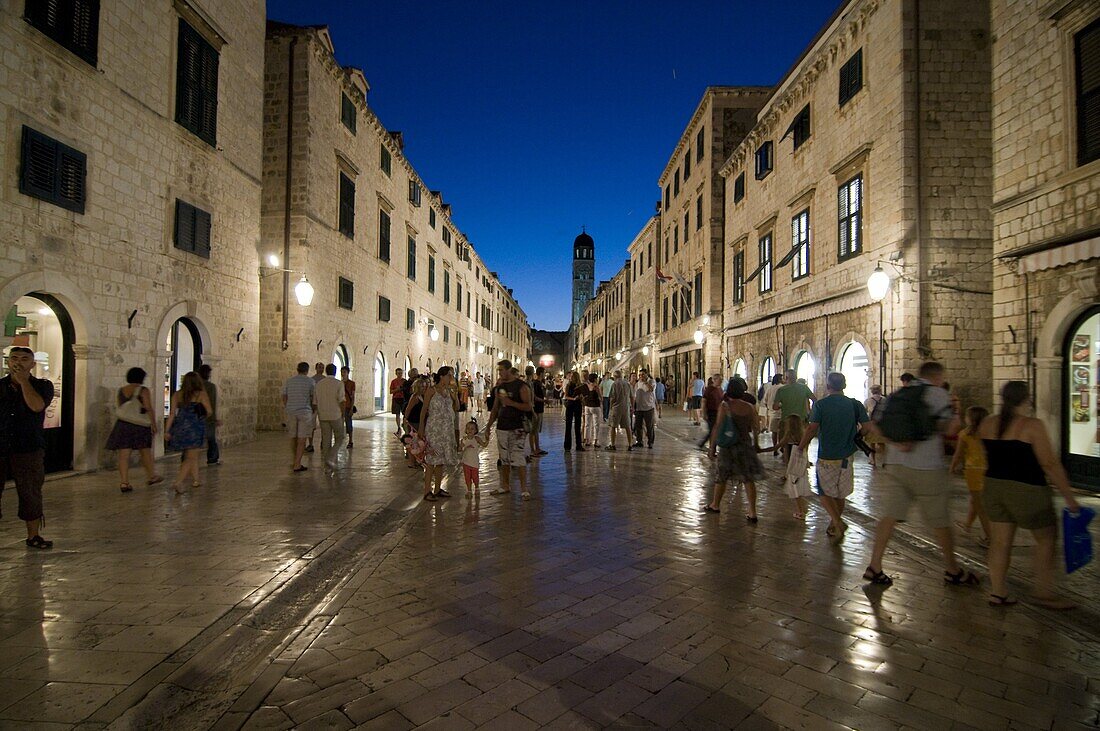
x=645 y=350
x=700 y=336
x=303 y=292
x=434 y=333
x=878 y=284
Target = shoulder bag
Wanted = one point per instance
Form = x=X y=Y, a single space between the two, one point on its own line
x=131 y=411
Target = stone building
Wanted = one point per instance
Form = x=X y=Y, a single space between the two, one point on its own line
x=584 y=273
x=873 y=151
x=549 y=350
x=397 y=284
x=601 y=333
x=644 y=288
x=130 y=207
x=693 y=246
x=1046 y=217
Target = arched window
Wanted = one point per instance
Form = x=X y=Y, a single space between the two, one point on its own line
x=740 y=368
x=855 y=366
x=380 y=382
x=767 y=371
x=805 y=368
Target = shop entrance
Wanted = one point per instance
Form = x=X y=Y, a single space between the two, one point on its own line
x=1080 y=410
x=855 y=365
x=40 y=322
x=379 y=383
x=185 y=346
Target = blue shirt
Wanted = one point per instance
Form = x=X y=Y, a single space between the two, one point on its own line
x=837 y=417
x=659 y=390
x=697 y=387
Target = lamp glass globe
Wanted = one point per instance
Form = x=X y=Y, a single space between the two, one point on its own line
x=878 y=284
x=700 y=336
x=303 y=291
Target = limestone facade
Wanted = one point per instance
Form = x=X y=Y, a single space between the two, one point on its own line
x=874 y=150
x=1046 y=218
x=642 y=316
x=602 y=332
x=106 y=269
x=361 y=218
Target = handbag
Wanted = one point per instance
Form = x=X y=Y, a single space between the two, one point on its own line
x=131 y=411
x=1078 y=542
x=860 y=442
x=727 y=433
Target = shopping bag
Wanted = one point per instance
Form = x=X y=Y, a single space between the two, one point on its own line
x=1078 y=542
x=796 y=480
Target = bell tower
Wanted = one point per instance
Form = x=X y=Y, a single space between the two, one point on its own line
x=584 y=272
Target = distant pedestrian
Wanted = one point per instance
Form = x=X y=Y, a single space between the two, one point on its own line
x=593 y=410
x=318 y=376
x=733 y=444
x=618 y=417
x=135 y=425
x=1022 y=466
x=349 y=403
x=660 y=392
x=23 y=402
x=969 y=460
x=213 y=419
x=645 y=406
x=477 y=391
x=439 y=426
x=835 y=420
x=328 y=400
x=874 y=439
x=397 y=398
x=605 y=394
x=772 y=418
x=575 y=393
x=914 y=421
x=793 y=399
x=695 y=403
x=186 y=427
x=712 y=400
x=536 y=382
x=511 y=401
x=472 y=444
x=412 y=419
x=298 y=404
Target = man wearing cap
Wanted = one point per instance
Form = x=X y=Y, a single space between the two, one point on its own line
x=23 y=402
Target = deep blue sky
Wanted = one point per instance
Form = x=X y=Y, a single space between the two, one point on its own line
x=536 y=118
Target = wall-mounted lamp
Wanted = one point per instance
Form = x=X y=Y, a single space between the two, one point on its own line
x=699 y=336
x=434 y=334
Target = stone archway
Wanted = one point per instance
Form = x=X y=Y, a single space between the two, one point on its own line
x=182 y=321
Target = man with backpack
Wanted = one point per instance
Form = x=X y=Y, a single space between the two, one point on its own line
x=914 y=421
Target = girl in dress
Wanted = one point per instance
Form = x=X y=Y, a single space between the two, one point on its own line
x=186 y=427
x=969 y=460
x=472 y=445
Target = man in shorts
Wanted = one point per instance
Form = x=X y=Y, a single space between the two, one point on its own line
x=835 y=420
x=23 y=402
x=695 y=404
x=510 y=402
x=919 y=475
x=298 y=403
x=618 y=417
x=536 y=381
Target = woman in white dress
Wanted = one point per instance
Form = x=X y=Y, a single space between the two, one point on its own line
x=439 y=426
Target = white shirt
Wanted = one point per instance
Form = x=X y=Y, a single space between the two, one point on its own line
x=329 y=397
x=644 y=397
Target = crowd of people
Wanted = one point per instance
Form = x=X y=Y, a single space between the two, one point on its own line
x=1007 y=458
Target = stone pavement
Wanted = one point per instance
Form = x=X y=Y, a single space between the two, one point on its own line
x=265 y=600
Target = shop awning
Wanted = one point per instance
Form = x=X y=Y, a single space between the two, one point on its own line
x=1058 y=256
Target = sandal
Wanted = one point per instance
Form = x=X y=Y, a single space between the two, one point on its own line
x=996 y=600
x=442 y=493
x=709 y=509
x=877 y=577
x=39 y=542
x=430 y=497
x=962 y=578
x=125 y=487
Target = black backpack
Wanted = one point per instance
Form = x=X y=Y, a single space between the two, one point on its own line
x=905 y=417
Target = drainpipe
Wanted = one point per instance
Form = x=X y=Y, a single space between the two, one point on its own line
x=286 y=196
x=922 y=294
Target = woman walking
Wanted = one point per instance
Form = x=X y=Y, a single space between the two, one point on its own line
x=135 y=425
x=439 y=425
x=574 y=397
x=592 y=409
x=186 y=427
x=874 y=439
x=737 y=461
x=1021 y=461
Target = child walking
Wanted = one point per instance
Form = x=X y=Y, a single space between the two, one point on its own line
x=472 y=444
x=970 y=460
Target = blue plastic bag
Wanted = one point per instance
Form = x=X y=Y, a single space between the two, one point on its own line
x=1078 y=542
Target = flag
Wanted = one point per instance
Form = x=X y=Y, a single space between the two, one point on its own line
x=681 y=281
x=662 y=277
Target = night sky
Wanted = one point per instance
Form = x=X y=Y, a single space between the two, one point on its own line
x=534 y=119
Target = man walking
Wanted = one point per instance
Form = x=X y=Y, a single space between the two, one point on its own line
x=318 y=376
x=645 y=406
x=298 y=404
x=328 y=399
x=835 y=420
x=917 y=471
x=397 y=398
x=23 y=402
x=349 y=402
x=659 y=394
x=213 y=419
x=605 y=393
x=712 y=401
x=621 y=399
x=536 y=382
x=511 y=400
x=792 y=399
x=696 y=403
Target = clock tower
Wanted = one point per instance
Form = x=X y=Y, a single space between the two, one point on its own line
x=584 y=272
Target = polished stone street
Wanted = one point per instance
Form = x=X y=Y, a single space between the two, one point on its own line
x=268 y=600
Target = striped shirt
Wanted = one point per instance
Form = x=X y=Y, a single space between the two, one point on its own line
x=299 y=395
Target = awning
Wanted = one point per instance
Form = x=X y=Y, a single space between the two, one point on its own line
x=1060 y=256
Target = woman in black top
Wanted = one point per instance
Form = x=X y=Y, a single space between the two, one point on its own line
x=574 y=394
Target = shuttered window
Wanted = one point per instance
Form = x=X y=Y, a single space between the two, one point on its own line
x=431 y=273
x=383 y=236
x=346 y=295
x=192 y=229
x=699 y=213
x=414 y=193
x=72 y=23
x=1087 y=60
x=700 y=145
x=410 y=267
x=739 y=276
x=739 y=188
x=446 y=286
x=385 y=160
x=764 y=248
x=197 y=85
x=849 y=201
x=383 y=309
x=800 y=127
x=410 y=319
x=53 y=172
x=698 y=287
x=348 y=112
x=347 y=206
x=851 y=77
x=765 y=159
x=800 y=245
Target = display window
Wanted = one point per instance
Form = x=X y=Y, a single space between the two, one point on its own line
x=1081 y=409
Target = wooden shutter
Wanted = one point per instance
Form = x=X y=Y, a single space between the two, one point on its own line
x=1087 y=52
x=197 y=84
x=53 y=172
x=72 y=23
x=348 y=112
x=347 y=206
x=192 y=232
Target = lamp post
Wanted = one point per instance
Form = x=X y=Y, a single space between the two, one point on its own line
x=878 y=285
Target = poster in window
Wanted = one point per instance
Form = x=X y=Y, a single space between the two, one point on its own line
x=1080 y=410
x=1080 y=377
x=1080 y=348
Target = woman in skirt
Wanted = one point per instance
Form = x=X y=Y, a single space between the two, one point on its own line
x=739 y=461
x=135 y=425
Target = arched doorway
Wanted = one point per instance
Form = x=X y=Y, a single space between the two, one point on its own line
x=1081 y=410
x=855 y=366
x=408 y=365
x=379 y=382
x=740 y=368
x=40 y=322
x=184 y=345
x=767 y=371
x=340 y=357
x=805 y=368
